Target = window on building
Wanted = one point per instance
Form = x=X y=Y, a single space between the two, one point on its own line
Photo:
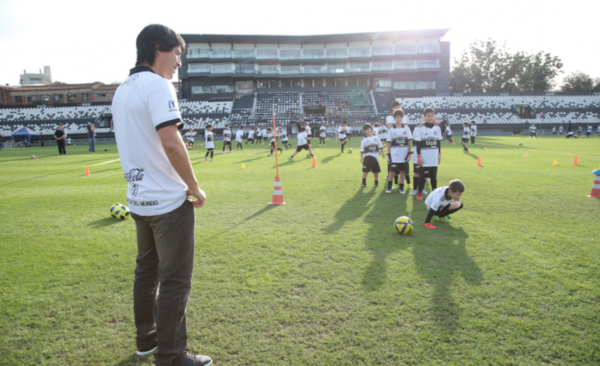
x=406 y=48
x=201 y=89
x=296 y=83
x=360 y=67
x=198 y=52
x=58 y=97
x=337 y=52
x=245 y=68
x=31 y=98
x=314 y=69
x=404 y=85
x=313 y=53
x=429 y=46
x=405 y=64
x=360 y=51
x=44 y=97
x=85 y=96
x=340 y=82
x=244 y=53
x=428 y=63
x=101 y=95
x=218 y=89
x=425 y=85
x=363 y=81
x=268 y=69
x=383 y=65
x=199 y=68
x=290 y=69
x=290 y=54
x=336 y=68
x=71 y=96
x=18 y=99
x=382 y=50
x=267 y=53
x=263 y=84
x=222 y=68
x=221 y=53
x=383 y=84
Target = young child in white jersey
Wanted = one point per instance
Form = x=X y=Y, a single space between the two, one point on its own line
x=449 y=134
x=284 y=137
x=263 y=135
x=465 y=138
x=343 y=134
x=473 y=132
x=227 y=138
x=400 y=148
x=239 y=137
x=428 y=148
x=257 y=136
x=190 y=137
x=271 y=136
x=443 y=202
x=533 y=131
x=250 y=138
x=308 y=133
x=589 y=131
x=370 y=148
x=210 y=143
x=322 y=133
x=554 y=131
x=302 y=144
x=560 y=130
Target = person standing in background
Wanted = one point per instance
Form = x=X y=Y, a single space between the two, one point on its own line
x=91 y=134
x=60 y=136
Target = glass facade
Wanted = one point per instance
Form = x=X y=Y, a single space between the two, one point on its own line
x=290 y=54
x=428 y=63
x=267 y=53
x=364 y=51
x=198 y=52
x=337 y=53
x=360 y=67
x=383 y=65
x=314 y=69
x=290 y=69
x=406 y=49
x=244 y=53
x=313 y=53
x=405 y=64
x=201 y=68
x=268 y=69
x=382 y=50
x=221 y=53
x=336 y=68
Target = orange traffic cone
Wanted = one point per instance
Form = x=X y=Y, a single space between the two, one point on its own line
x=277 y=193
x=314 y=165
x=596 y=186
x=87 y=170
x=575 y=161
x=479 y=161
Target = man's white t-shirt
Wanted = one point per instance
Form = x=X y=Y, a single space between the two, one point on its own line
x=142 y=105
x=437 y=199
x=342 y=131
x=251 y=135
x=323 y=131
x=473 y=130
x=209 y=139
x=429 y=138
x=399 y=138
x=302 y=138
x=238 y=135
x=190 y=135
x=308 y=131
x=370 y=146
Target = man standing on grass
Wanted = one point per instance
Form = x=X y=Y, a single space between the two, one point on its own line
x=160 y=183
x=91 y=134
x=60 y=137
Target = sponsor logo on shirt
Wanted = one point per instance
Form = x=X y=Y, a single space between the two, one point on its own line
x=172 y=107
x=134 y=175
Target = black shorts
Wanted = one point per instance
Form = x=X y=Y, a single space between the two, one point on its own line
x=226 y=142
x=532 y=133
x=398 y=167
x=587 y=134
x=465 y=139
x=302 y=147
x=344 y=139
x=251 y=140
x=273 y=144
x=308 y=136
x=370 y=164
x=428 y=171
x=285 y=142
x=210 y=149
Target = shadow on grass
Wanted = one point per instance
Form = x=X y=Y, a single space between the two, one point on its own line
x=352 y=209
x=40 y=176
x=267 y=208
x=329 y=158
x=102 y=223
x=438 y=263
x=381 y=243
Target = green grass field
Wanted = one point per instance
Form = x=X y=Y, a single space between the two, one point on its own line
x=324 y=279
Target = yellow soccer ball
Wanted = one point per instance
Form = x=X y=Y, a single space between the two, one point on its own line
x=403 y=225
x=119 y=211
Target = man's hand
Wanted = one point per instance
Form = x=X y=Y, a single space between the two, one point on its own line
x=199 y=194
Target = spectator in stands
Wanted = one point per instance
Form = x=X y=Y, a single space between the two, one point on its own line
x=59 y=136
x=91 y=134
x=161 y=182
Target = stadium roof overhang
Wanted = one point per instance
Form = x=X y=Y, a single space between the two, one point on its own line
x=308 y=39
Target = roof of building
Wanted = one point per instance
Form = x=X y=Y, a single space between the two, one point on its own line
x=307 y=39
x=55 y=88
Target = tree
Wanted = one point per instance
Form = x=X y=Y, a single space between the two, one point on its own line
x=579 y=82
x=490 y=67
x=59 y=83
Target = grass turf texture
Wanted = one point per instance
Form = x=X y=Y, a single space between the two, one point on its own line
x=324 y=279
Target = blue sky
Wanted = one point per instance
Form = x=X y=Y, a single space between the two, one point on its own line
x=95 y=41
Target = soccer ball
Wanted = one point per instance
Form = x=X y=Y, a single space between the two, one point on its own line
x=350 y=151
x=119 y=211
x=403 y=225
x=520 y=144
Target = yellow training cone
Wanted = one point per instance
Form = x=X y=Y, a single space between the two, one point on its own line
x=555 y=162
x=243 y=166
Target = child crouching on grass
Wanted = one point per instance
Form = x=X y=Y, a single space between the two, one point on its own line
x=444 y=201
x=370 y=148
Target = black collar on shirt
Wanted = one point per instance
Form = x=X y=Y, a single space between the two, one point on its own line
x=446 y=193
x=137 y=69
